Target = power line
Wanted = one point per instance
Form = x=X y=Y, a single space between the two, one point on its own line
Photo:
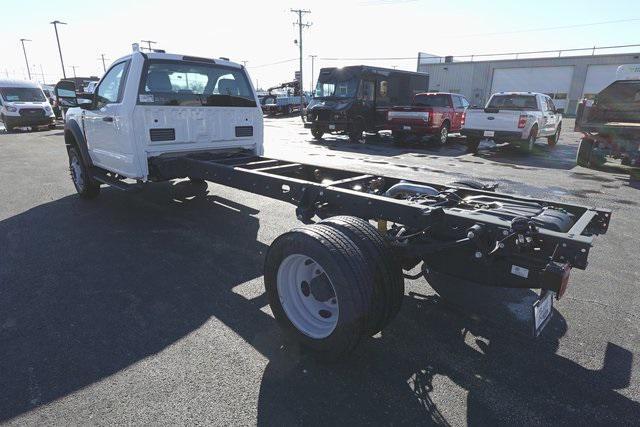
x=550 y=28
x=275 y=63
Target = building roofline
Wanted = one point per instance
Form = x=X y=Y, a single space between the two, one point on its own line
x=636 y=55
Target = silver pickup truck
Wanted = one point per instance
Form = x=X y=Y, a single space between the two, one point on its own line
x=515 y=117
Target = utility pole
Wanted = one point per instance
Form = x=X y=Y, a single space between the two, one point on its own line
x=244 y=63
x=25 y=56
x=149 y=43
x=104 y=65
x=42 y=73
x=301 y=25
x=313 y=57
x=74 y=70
x=55 y=26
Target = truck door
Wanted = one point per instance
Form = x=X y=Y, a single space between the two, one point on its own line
x=383 y=103
x=105 y=125
x=368 y=97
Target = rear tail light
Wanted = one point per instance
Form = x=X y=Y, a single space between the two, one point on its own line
x=464 y=117
x=522 y=121
x=555 y=277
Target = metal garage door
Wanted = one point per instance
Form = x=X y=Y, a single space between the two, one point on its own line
x=554 y=81
x=598 y=77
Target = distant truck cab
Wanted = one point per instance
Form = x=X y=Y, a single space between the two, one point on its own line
x=24 y=104
x=356 y=99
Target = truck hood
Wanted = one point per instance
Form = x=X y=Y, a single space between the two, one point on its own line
x=333 y=104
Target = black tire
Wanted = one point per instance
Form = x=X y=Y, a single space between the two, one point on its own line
x=197 y=181
x=472 y=145
x=585 y=149
x=443 y=134
x=528 y=144
x=553 y=139
x=357 y=129
x=350 y=276
x=398 y=137
x=52 y=126
x=317 y=133
x=86 y=187
x=388 y=284
x=8 y=128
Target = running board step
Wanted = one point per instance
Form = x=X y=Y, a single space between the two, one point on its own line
x=102 y=177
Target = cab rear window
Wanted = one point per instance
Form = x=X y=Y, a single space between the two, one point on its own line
x=191 y=84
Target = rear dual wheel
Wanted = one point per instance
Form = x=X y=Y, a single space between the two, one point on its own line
x=331 y=284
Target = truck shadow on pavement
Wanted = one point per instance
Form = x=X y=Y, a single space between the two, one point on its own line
x=88 y=289
x=436 y=366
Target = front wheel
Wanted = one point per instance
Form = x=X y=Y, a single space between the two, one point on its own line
x=317 y=133
x=398 y=137
x=86 y=186
x=357 y=129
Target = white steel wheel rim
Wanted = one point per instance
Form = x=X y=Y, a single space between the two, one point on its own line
x=307 y=296
x=76 y=171
x=532 y=140
x=443 y=135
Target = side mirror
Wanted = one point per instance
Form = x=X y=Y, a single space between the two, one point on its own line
x=84 y=103
x=66 y=93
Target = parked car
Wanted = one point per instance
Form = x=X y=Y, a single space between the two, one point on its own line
x=356 y=99
x=611 y=123
x=434 y=114
x=283 y=99
x=24 y=104
x=514 y=117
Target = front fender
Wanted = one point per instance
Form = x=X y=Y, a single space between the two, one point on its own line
x=73 y=135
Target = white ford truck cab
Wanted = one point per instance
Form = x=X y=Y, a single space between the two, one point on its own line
x=158 y=104
x=516 y=117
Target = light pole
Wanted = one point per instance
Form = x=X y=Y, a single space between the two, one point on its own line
x=74 y=70
x=25 y=56
x=55 y=26
x=313 y=57
x=149 y=43
x=104 y=65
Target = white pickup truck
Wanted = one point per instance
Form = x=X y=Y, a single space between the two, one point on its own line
x=515 y=117
x=157 y=104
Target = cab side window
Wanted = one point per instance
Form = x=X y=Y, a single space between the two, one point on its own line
x=550 y=105
x=457 y=102
x=465 y=103
x=110 y=89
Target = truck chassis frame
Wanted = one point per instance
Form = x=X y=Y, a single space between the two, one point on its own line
x=492 y=250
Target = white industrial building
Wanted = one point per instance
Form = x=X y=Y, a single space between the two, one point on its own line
x=567 y=79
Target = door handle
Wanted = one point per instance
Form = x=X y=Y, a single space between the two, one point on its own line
x=107 y=119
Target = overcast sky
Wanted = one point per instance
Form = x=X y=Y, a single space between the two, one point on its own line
x=262 y=32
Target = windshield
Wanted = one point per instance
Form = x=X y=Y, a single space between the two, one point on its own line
x=22 y=94
x=180 y=83
x=431 y=101
x=513 y=102
x=338 y=89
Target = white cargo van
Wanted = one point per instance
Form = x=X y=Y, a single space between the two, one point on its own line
x=22 y=103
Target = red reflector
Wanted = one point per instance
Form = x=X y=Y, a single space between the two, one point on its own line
x=522 y=121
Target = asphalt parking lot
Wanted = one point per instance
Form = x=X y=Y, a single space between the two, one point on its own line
x=149 y=308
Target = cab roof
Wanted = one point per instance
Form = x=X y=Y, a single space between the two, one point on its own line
x=18 y=83
x=177 y=57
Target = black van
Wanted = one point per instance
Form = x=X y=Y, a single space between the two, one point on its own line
x=356 y=99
